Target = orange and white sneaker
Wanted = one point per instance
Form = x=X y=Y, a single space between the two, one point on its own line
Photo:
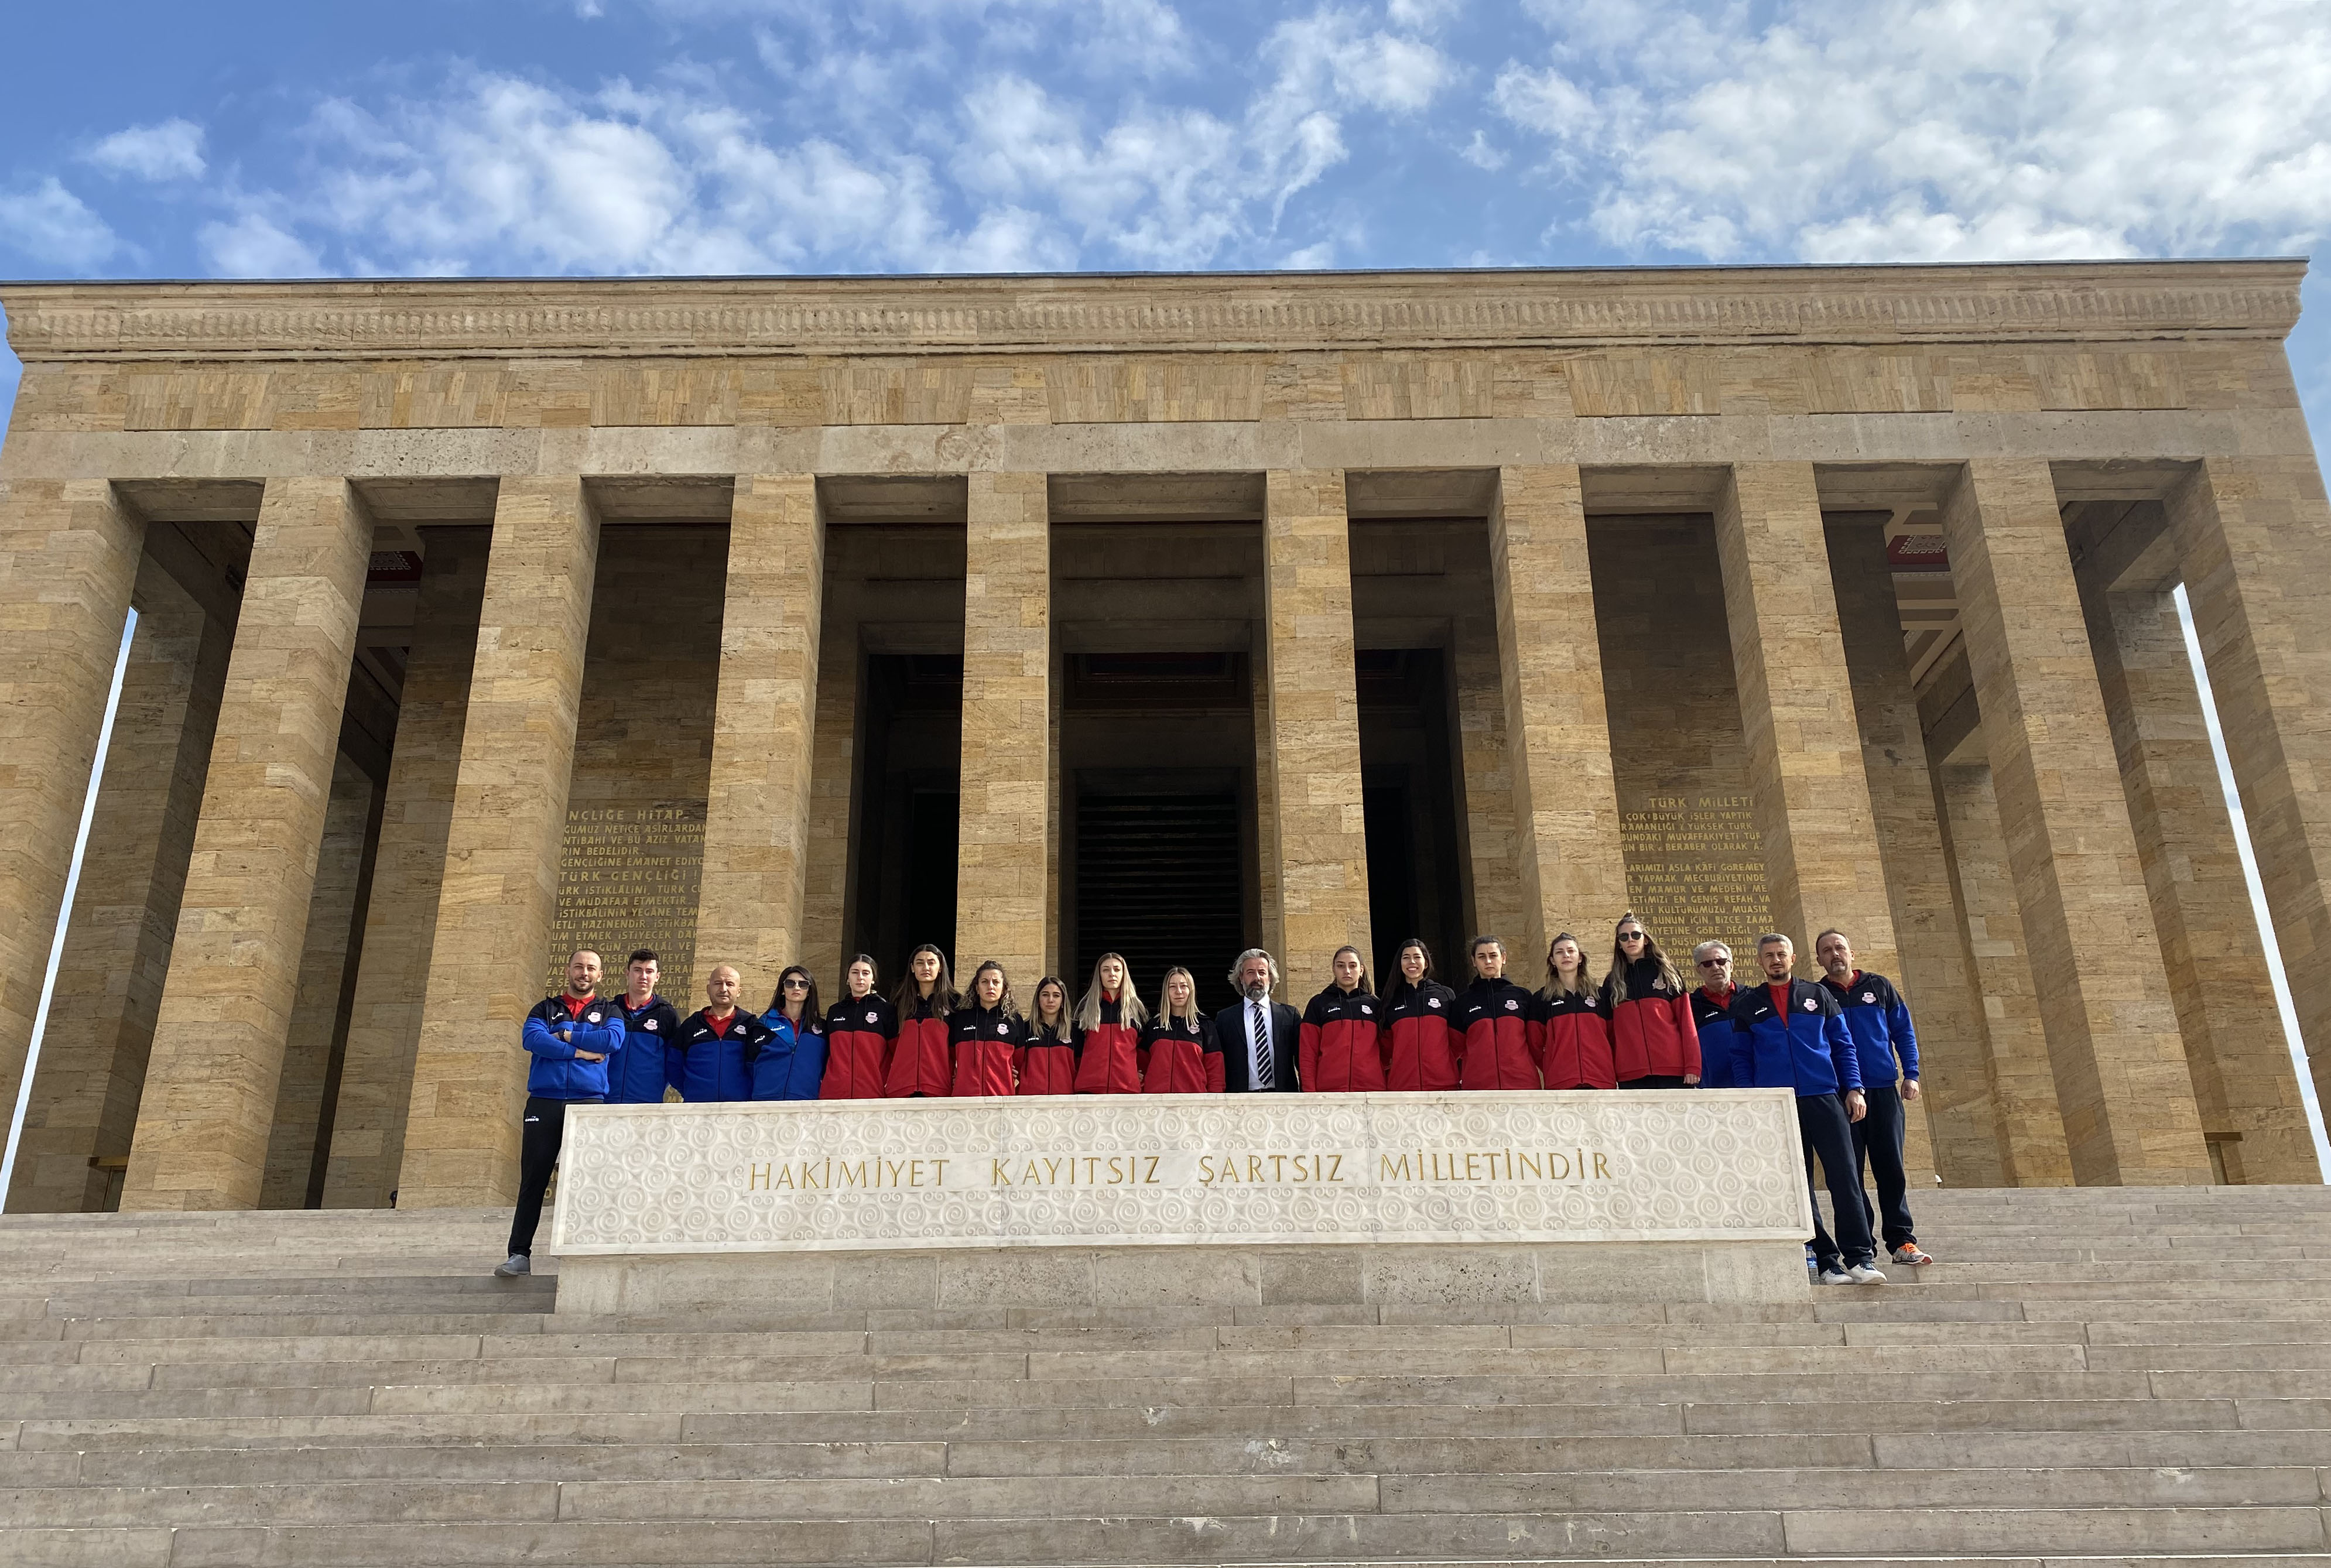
x=1909 y=1255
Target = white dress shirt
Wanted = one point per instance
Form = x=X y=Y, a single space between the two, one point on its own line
x=1257 y=1017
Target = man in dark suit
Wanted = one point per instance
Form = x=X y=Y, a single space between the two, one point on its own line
x=1259 y=1037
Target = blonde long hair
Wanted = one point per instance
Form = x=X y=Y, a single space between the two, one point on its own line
x=1128 y=1000
x=1165 y=1013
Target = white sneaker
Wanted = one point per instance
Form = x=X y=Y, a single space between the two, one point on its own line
x=519 y=1267
x=1835 y=1277
x=1864 y=1274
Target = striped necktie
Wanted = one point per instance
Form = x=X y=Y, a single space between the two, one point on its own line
x=1265 y=1075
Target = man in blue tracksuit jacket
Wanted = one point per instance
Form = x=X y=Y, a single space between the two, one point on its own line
x=713 y=1055
x=1790 y=1033
x=1711 y=1013
x=643 y=1069
x=571 y=1037
x=1880 y=1021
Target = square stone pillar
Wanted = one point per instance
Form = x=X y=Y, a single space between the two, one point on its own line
x=503 y=851
x=2119 y=1063
x=1313 y=718
x=211 y=1082
x=84 y=1101
x=756 y=822
x=1822 y=852
x=2243 y=1079
x=1567 y=858
x=1006 y=781
x=1944 y=1008
x=832 y=788
x=408 y=867
x=301 y=1116
x=2021 y=1086
x=2254 y=543
x=69 y=554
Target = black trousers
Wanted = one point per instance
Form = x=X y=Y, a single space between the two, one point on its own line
x=544 y=1130
x=1657 y=1080
x=1877 y=1146
x=1827 y=1133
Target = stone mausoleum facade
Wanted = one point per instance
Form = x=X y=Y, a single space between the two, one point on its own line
x=756 y=620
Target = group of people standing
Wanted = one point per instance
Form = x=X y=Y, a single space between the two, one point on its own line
x=1845 y=1046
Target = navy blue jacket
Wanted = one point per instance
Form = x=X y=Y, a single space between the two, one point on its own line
x=790 y=1065
x=552 y=1038
x=1880 y=1021
x=711 y=1066
x=1716 y=1031
x=1808 y=1050
x=643 y=1071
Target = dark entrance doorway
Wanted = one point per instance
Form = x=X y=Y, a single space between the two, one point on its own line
x=1158 y=875
x=910 y=805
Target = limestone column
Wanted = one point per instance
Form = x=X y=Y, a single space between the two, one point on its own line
x=1821 y=855
x=408 y=865
x=2243 y=1080
x=2119 y=1063
x=1934 y=978
x=500 y=885
x=209 y=1103
x=1573 y=874
x=316 y=1006
x=84 y=1100
x=757 y=824
x=1313 y=720
x=2254 y=543
x=69 y=555
x=1007 y=661
x=2020 y=1083
x=1265 y=801
x=832 y=788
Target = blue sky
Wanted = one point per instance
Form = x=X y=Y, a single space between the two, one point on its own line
x=720 y=136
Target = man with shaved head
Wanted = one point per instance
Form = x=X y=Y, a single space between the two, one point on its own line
x=570 y=1036
x=717 y=1042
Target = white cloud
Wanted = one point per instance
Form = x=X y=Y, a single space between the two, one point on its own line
x=51 y=225
x=172 y=150
x=252 y=246
x=1481 y=154
x=1963 y=129
x=1379 y=70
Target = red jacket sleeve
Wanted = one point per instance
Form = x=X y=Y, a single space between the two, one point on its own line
x=1535 y=1033
x=1214 y=1084
x=1306 y=1055
x=1688 y=1032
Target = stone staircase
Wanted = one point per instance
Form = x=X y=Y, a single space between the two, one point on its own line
x=2094 y=1376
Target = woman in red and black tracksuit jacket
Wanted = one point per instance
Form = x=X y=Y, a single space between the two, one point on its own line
x=1342 y=1042
x=1419 y=1051
x=1494 y=1014
x=859 y=1031
x=1651 y=1031
x=920 y=1064
x=987 y=1035
x=1573 y=1033
x=1180 y=1052
x=1048 y=1065
x=1108 y=1027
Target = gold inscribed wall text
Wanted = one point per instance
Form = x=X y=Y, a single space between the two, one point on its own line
x=1695 y=870
x=627 y=878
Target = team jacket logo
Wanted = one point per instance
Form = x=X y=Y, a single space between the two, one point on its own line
x=1433 y=1001
x=1512 y=1006
x=1812 y=1005
x=870 y=1017
x=650 y=1023
x=1003 y=1028
x=1367 y=1013
x=1870 y=996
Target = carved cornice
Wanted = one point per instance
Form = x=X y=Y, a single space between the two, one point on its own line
x=2094 y=302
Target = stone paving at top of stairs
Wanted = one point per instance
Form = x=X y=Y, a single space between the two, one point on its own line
x=2087 y=1376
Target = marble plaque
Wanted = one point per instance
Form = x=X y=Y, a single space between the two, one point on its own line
x=1178 y=1170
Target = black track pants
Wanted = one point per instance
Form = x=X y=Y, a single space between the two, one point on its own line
x=1877 y=1146
x=1827 y=1133
x=538 y=1155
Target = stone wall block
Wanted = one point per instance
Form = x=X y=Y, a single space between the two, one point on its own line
x=2119 y=1062
x=1007 y=778
x=2254 y=543
x=1313 y=718
x=210 y=1082
x=756 y=826
x=501 y=885
x=1566 y=854
x=69 y=554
